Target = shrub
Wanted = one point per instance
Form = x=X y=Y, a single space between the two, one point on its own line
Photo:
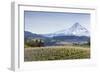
x=34 y=42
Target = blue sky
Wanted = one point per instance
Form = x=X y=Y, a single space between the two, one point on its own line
x=49 y=22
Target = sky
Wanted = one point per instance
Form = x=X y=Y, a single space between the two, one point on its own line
x=50 y=22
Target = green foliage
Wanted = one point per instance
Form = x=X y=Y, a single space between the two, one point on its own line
x=88 y=43
x=34 y=43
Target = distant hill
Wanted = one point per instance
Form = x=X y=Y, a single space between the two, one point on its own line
x=30 y=35
x=72 y=39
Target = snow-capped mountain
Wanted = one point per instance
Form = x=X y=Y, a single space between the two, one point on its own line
x=74 y=34
x=75 y=30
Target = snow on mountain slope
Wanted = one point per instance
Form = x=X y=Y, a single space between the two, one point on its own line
x=75 y=30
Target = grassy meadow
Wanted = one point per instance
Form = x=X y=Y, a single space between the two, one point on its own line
x=56 y=53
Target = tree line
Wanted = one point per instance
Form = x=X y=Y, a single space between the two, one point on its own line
x=34 y=42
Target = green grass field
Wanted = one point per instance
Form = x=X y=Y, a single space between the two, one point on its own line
x=56 y=53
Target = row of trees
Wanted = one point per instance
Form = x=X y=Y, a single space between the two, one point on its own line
x=34 y=42
x=84 y=44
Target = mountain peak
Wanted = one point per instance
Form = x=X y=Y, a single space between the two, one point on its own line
x=78 y=30
x=76 y=25
x=75 y=30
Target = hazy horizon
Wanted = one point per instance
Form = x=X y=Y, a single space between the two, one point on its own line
x=49 y=22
